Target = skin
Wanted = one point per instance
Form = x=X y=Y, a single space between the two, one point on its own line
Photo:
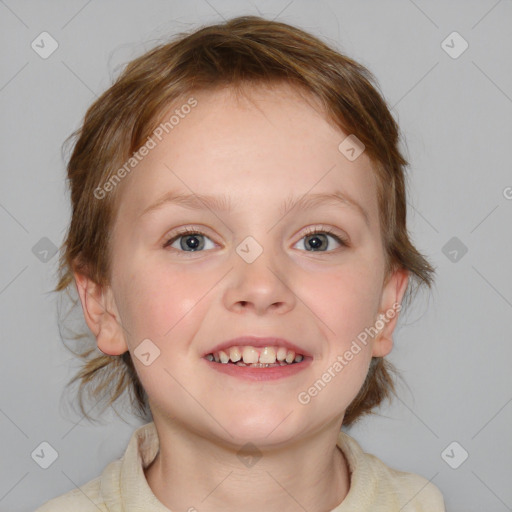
x=256 y=150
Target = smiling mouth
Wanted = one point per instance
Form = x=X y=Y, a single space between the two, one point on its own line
x=265 y=357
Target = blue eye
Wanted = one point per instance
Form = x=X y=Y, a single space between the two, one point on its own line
x=191 y=240
x=316 y=238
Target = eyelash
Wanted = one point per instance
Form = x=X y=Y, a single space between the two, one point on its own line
x=310 y=231
x=327 y=231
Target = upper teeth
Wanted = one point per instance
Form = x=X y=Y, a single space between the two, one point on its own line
x=250 y=355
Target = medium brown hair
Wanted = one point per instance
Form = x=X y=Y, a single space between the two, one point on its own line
x=241 y=51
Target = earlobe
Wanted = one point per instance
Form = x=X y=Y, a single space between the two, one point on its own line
x=101 y=315
x=392 y=296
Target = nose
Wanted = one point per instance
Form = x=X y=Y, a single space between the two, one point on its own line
x=260 y=286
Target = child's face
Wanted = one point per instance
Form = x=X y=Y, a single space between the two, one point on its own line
x=186 y=302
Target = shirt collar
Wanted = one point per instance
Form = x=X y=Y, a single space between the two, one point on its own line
x=125 y=489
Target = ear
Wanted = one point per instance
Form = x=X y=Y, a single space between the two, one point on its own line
x=392 y=294
x=101 y=315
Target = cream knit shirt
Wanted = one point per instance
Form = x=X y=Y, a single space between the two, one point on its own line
x=122 y=487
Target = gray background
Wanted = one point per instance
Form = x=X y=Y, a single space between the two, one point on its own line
x=453 y=346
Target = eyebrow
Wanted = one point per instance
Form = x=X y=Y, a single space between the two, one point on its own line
x=222 y=203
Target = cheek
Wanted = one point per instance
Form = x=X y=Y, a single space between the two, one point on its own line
x=156 y=302
x=350 y=305
x=348 y=299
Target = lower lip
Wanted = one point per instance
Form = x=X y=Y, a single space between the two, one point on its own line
x=259 y=374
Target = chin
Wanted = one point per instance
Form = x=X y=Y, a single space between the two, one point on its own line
x=265 y=426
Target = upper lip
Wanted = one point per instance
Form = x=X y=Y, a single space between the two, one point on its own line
x=257 y=341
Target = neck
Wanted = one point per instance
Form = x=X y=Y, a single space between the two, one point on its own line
x=191 y=472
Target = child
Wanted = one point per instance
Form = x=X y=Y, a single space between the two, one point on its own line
x=239 y=246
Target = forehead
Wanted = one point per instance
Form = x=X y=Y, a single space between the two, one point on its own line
x=266 y=144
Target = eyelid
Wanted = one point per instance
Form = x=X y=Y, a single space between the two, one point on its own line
x=342 y=239
x=189 y=229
